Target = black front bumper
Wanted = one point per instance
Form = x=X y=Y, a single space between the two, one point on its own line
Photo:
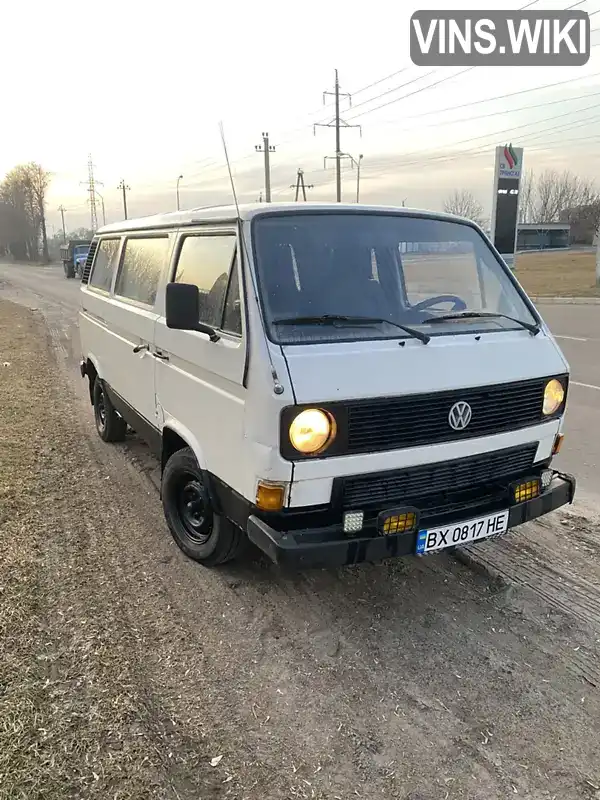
x=331 y=547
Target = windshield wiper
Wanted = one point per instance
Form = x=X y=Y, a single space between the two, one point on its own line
x=330 y=319
x=533 y=329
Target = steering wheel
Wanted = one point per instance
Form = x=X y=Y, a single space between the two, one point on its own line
x=458 y=303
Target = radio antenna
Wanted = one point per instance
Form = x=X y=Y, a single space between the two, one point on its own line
x=235 y=200
x=277 y=386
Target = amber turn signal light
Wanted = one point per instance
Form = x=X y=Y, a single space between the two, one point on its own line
x=270 y=496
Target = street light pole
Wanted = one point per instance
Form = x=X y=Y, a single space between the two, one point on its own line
x=358 y=177
x=178 y=179
x=102 y=201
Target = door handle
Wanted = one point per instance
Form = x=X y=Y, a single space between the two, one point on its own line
x=161 y=355
x=139 y=347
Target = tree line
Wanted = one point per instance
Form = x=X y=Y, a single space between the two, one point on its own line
x=549 y=196
x=23 y=232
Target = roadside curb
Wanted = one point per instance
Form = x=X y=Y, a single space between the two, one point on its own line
x=574 y=301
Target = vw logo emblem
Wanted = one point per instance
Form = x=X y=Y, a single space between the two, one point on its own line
x=460 y=415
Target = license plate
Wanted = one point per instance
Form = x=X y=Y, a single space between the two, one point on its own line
x=462 y=532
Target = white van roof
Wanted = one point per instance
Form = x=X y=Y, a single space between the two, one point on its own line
x=247 y=211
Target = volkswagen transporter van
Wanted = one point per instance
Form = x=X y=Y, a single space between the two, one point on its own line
x=333 y=383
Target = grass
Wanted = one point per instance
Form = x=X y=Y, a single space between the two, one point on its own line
x=558 y=273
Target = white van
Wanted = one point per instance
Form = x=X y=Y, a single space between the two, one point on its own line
x=335 y=383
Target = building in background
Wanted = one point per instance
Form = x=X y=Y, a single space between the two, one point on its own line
x=543 y=236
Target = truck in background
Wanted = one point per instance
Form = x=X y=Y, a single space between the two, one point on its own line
x=73 y=255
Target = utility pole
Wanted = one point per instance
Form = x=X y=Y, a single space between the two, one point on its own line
x=300 y=184
x=91 y=183
x=267 y=149
x=62 y=210
x=124 y=188
x=337 y=123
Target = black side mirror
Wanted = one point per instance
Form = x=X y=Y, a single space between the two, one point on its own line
x=183 y=310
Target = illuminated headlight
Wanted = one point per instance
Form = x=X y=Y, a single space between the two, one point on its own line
x=312 y=431
x=554 y=394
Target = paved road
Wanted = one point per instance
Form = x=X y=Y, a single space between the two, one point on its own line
x=577 y=330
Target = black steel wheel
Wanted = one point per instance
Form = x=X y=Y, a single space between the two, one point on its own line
x=110 y=426
x=201 y=533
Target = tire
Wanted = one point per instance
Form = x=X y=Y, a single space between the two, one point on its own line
x=204 y=536
x=110 y=426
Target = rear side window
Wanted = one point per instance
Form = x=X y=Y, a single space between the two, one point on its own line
x=105 y=264
x=206 y=261
x=142 y=263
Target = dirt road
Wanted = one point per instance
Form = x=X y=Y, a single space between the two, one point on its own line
x=127 y=671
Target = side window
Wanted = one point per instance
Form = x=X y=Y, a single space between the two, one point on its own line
x=206 y=261
x=105 y=264
x=232 y=315
x=142 y=264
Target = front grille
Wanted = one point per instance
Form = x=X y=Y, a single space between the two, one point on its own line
x=440 y=488
x=85 y=275
x=414 y=420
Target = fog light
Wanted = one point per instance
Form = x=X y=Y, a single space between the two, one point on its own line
x=399 y=520
x=270 y=496
x=353 y=521
x=546 y=478
x=526 y=490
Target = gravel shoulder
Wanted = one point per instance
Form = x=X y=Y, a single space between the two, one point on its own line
x=127 y=671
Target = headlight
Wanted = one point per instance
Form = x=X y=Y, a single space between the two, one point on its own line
x=312 y=430
x=554 y=394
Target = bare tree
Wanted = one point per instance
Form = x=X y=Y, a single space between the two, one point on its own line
x=24 y=190
x=555 y=192
x=527 y=196
x=462 y=203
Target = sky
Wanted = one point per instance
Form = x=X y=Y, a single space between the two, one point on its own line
x=144 y=88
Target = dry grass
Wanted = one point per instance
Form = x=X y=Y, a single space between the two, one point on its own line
x=558 y=274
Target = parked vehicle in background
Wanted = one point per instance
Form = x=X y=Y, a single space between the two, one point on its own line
x=334 y=383
x=73 y=254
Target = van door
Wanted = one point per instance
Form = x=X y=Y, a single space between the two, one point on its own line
x=131 y=317
x=199 y=383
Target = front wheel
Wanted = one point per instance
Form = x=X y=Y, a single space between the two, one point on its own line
x=110 y=426
x=199 y=532
x=69 y=270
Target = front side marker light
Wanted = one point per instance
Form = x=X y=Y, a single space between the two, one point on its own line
x=312 y=431
x=557 y=443
x=554 y=394
x=270 y=496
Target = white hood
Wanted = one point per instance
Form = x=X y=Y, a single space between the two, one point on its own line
x=369 y=369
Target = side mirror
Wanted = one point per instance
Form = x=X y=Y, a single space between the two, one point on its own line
x=183 y=310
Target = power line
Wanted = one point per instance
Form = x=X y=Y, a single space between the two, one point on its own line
x=484 y=146
x=513 y=128
x=494 y=99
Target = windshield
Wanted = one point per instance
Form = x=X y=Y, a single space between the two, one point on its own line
x=81 y=250
x=405 y=269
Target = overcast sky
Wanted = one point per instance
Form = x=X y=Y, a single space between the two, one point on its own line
x=143 y=88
